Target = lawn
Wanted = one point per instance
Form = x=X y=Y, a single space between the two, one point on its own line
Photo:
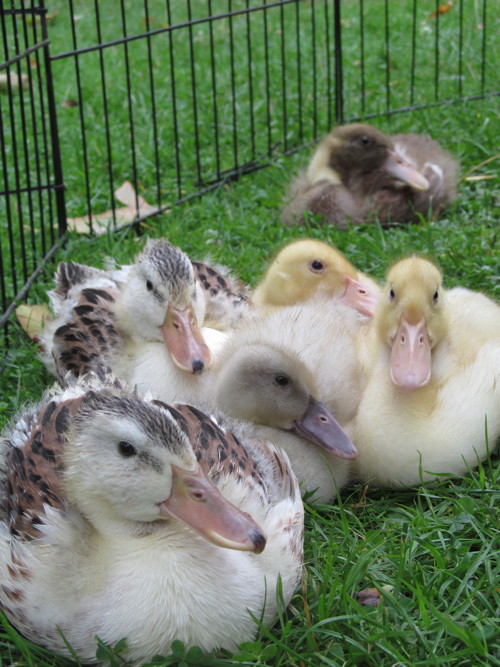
x=433 y=553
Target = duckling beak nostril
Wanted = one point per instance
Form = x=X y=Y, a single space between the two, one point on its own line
x=198 y=366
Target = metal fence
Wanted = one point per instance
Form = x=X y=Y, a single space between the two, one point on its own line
x=177 y=97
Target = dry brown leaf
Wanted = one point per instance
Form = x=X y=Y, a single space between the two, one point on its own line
x=33 y=318
x=101 y=222
x=369 y=597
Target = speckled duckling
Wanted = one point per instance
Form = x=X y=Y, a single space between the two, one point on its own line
x=101 y=317
x=227 y=299
x=111 y=527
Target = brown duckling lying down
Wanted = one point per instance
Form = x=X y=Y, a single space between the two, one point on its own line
x=359 y=174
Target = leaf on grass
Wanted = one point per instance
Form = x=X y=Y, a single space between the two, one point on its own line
x=442 y=9
x=69 y=103
x=135 y=207
x=33 y=318
x=368 y=597
x=16 y=81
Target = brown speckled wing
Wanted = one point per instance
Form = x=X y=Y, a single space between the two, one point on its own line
x=70 y=274
x=227 y=300
x=32 y=470
x=88 y=337
x=219 y=452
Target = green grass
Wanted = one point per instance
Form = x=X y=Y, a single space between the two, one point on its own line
x=434 y=553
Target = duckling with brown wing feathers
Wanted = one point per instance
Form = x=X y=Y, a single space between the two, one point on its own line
x=359 y=174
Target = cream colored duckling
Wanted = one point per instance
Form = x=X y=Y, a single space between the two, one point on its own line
x=431 y=405
x=110 y=526
x=101 y=317
x=307 y=269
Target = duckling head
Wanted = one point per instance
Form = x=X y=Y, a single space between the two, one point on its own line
x=352 y=152
x=162 y=301
x=411 y=319
x=130 y=469
x=307 y=268
x=266 y=385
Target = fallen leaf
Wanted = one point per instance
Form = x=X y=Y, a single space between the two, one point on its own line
x=69 y=103
x=15 y=81
x=101 y=222
x=33 y=318
x=442 y=9
x=369 y=597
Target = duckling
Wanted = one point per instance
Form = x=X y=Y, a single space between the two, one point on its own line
x=307 y=269
x=283 y=351
x=111 y=527
x=430 y=406
x=100 y=316
x=264 y=384
x=227 y=299
x=358 y=174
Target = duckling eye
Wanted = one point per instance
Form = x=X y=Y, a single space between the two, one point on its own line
x=126 y=449
x=392 y=294
x=435 y=296
x=282 y=380
x=316 y=266
x=149 y=286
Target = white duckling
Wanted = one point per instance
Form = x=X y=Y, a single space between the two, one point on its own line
x=110 y=526
x=105 y=316
x=307 y=269
x=431 y=403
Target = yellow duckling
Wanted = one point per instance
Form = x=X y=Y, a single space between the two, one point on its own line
x=307 y=269
x=431 y=404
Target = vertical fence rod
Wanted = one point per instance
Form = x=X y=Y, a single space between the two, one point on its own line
x=54 y=134
x=339 y=83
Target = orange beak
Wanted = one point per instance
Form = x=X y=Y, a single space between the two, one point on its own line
x=184 y=340
x=195 y=501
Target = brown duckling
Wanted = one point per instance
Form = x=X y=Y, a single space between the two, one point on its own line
x=358 y=174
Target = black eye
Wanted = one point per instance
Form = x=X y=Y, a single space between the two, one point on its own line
x=366 y=141
x=392 y=294
x=149 y=286
x=126 y=449
x=435 y=296
x=316 y=265
x=282 y=380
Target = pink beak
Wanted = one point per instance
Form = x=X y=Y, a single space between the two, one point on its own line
x=195 y=501
x=185 y=341
x=360 y=297
x=399 y=168
x=411 y=356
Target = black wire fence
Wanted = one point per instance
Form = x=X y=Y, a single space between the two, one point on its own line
x=172 y=98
